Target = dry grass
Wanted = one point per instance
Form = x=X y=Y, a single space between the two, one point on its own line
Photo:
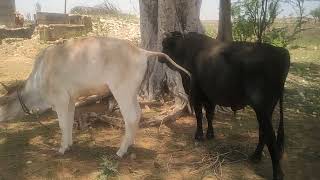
x=29 y=150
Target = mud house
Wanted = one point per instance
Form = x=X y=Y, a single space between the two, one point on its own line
x=7 y=12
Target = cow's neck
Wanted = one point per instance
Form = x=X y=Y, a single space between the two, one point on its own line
x=31 y=95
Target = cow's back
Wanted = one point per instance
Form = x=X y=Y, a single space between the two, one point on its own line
x=230 y=73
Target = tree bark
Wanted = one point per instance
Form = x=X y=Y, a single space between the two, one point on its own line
x=156 y=18
x=225 y=26
x=149 y=40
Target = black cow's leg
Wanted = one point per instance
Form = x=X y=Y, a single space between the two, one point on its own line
x=198 y=112
x=209 y=115
x=270 y=140
x=257 y=155
x=196 y=101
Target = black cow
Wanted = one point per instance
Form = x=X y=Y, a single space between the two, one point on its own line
x=234 y=75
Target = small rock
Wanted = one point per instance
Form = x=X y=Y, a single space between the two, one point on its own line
x=29 y=162
x=133 y=156
x=93 y=114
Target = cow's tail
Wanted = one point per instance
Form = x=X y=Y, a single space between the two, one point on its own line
x=280 y=135
x=160 y=54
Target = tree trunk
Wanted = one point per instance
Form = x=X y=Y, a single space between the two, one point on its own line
x=225 y=26
x=156 y=18
x=149 y=40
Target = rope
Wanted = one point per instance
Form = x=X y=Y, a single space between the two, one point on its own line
x=27 y=110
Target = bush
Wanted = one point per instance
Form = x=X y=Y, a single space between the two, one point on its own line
x=277 y=37
x=316 y=14
x=253 y=20
x=105 y=8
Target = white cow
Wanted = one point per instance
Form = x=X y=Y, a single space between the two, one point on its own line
x=64 y=72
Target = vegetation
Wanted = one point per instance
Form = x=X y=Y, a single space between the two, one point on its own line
x=165 y=151
x=209 y=27
x=105 y=8
x=253 y=20
x=109 y=168
x=315 y=13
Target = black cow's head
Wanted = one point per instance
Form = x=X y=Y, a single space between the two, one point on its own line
x=170 y=46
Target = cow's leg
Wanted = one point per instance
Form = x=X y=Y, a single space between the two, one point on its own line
x=270 y=140
x=257 y=155
x=209 y=115
x=196 y=100
x=131 y=112
x=65 y=110
x=71 y=110
x=261 y=114
x=198 y=111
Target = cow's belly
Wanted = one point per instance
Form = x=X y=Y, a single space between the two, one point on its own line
x=235 y=103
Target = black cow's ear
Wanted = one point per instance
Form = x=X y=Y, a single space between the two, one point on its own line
x=168 y=43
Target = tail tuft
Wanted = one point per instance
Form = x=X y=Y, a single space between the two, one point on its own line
x=280 y=134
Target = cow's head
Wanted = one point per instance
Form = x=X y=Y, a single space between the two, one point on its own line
x=10 y=107
x=170 y=46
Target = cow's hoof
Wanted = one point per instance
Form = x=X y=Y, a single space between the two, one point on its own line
x=210 y=135
x=120 y=153
x=199 y=136
x=280 y=177
x=255 y=157
x=62 y=150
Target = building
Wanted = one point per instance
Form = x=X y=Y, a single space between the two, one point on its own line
x=7 y=12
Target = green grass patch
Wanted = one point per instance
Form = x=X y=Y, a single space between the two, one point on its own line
x=210 y=28
x=109 y=168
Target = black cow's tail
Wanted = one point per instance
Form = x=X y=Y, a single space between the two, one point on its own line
x=280 y=135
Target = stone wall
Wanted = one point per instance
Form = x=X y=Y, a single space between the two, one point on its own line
x=51 y=18
x=44 y=18
x=54 y=32
x=7 y=12
x=24 y=32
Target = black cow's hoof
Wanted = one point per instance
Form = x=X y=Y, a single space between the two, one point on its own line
x=255 y=157
x=279 y=175
x=278 y=178
x=210 y=135
x=199 y=136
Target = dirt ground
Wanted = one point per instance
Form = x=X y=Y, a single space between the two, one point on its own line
x=28 y=150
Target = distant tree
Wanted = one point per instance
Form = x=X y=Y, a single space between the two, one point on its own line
x=28 y=17
x=38 y=7
x=253 y=20
x=256 y=16
x=106 y=7
x=298 y=6
x=315 y=13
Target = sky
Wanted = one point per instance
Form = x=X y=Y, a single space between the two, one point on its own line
x=209 y=8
